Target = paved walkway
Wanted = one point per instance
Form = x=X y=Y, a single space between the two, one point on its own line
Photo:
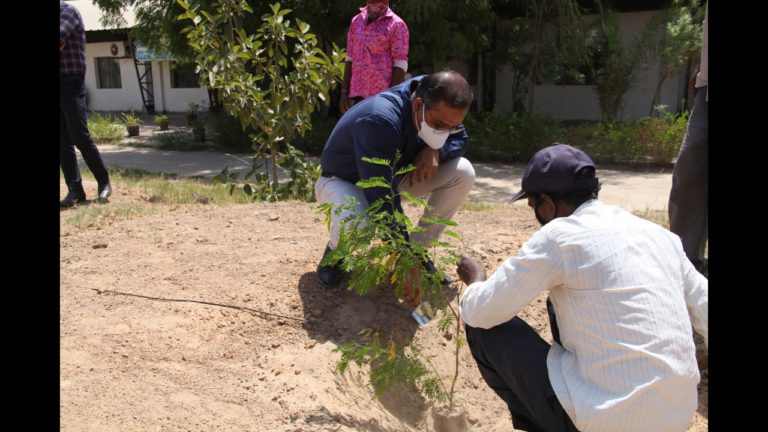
x=495 y=183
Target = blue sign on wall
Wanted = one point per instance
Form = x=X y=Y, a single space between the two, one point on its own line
x=144 y=54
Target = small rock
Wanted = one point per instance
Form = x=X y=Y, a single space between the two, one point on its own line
x=297 y=372
x=317 y=313
x=275 y=344
x=278 y=372
x=100 y=246
x=274 y=217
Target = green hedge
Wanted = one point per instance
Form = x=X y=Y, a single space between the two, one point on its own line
x=649 y=140
x=495 y=136
x=498 y=137
x=507 y=138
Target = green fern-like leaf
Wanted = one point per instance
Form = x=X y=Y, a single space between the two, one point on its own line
x=375 y=161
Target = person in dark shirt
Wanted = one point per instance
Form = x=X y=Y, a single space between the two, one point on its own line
x=73 y=123
x=422 y=120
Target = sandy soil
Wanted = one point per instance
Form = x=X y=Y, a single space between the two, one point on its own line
x=166 y=325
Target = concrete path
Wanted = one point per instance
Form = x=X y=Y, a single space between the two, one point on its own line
x=495 y=183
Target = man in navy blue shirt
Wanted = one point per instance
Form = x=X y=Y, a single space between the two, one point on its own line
x=422 y=119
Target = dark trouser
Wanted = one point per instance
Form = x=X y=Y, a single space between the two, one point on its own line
x=688 y=199
x=73 y=131
x=512 y=359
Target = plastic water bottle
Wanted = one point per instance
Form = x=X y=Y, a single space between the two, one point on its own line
x=423 y=313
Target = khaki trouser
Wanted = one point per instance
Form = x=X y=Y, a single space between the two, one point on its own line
x=448 y=188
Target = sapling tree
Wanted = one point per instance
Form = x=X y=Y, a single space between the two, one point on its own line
x=271 y=80
x=374 y=249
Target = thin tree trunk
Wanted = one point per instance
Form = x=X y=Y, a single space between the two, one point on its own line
x=480 y=82
x=274 y=167
x=656 y=95
x=533 y=70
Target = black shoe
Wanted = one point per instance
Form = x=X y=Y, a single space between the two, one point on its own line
x=329 y=276
x=105 y=191
x=430 y=267
x=71 y=199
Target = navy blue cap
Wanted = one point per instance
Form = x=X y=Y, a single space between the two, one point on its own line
x=553 y=170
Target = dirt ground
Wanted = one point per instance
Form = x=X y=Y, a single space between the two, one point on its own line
x=165 y=325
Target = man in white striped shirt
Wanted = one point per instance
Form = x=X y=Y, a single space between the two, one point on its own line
x=622 y=300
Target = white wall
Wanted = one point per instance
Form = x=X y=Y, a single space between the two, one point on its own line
x=570 y=102
x=174 y=99
x=126 y=98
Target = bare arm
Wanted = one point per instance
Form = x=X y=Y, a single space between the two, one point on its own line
x=398 y=76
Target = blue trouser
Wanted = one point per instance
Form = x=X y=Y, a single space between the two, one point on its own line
x=73 y=131
x=512 y=359
x=688 y=199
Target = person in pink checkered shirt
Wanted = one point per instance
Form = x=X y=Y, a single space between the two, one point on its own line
x=377 y=53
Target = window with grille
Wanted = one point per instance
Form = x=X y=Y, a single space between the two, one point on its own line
x=108 y=73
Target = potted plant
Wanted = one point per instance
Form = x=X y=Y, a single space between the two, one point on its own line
x=132 y=123
x=162 y=121
x=192 y=109
x=198 y=130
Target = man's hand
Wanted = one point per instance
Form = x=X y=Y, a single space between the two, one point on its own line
x=426 y=163
x=470 y=270
x=411 y=287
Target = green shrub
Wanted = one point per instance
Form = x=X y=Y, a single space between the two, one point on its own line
x=653 y=140
x=162 y=120
x=495 y=136
x=313 y=141
x=131 y=119
x=104 y=129
x=178 y=141
x=228 y=132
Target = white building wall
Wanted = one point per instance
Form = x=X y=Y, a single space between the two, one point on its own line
x=175 y=99
x=569 y=102
x=126 y=98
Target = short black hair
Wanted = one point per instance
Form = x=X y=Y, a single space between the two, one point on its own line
x=577 y=197
x=448 y=87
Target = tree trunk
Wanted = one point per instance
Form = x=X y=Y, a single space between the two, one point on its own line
x=657 y=94
x=479 y=96
x=273 y=152
x=533 y=70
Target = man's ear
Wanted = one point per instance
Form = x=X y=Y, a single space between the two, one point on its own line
x=416 y=105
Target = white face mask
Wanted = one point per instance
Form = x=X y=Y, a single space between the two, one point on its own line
x=435 y=139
